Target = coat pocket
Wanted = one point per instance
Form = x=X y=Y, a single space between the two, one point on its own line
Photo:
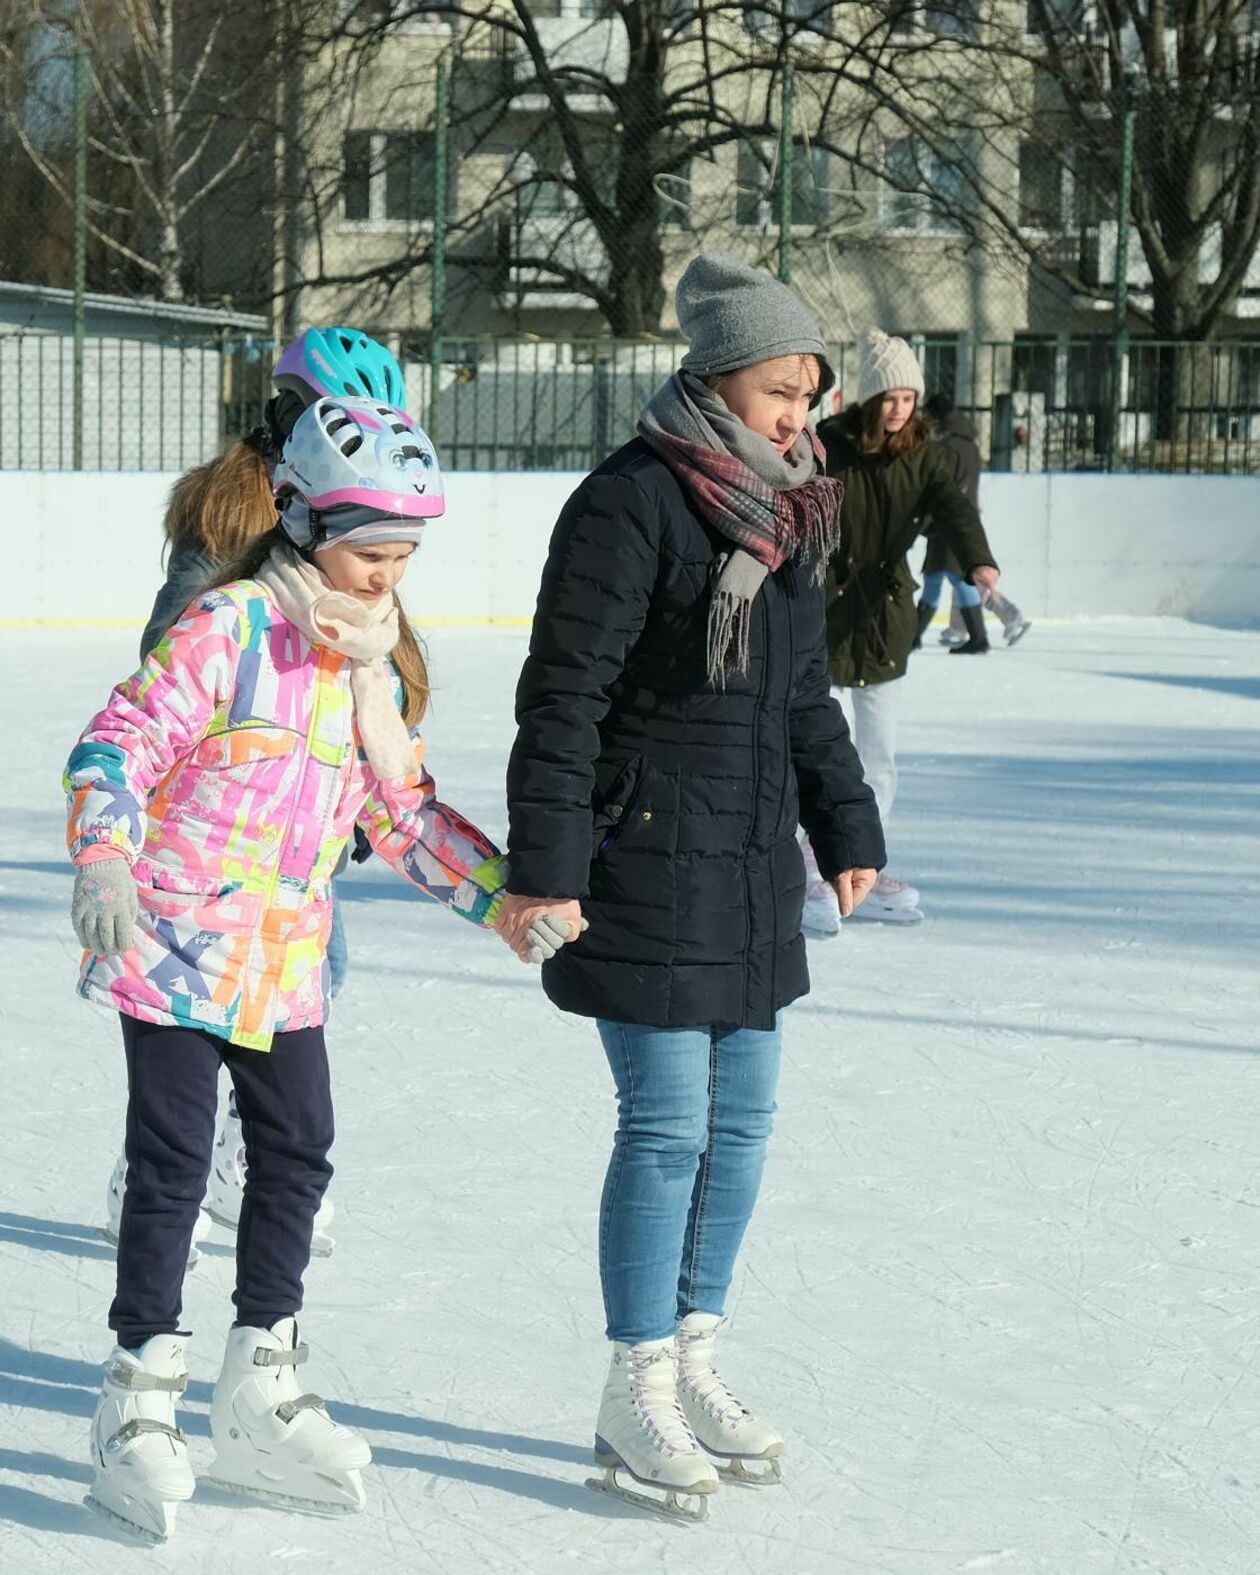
x=617 y=804
x=199 y=902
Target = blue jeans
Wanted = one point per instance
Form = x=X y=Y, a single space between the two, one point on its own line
x=965 y=592
x=338 y=954
x=695 y=1107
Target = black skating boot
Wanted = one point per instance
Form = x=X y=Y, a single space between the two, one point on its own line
x=926 y=614
x=977 y=640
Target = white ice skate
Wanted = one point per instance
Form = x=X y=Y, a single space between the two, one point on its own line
x=821 y=917
x=890 y=902
x=273 y=1442
x=642 y=1431
x=226 y=1187
x=726 y=1428
x=140 y=1456
x=113 y=1209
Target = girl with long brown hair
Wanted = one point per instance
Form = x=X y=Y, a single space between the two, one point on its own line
x=893 y=479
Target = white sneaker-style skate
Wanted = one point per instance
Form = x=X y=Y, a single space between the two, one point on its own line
x=1016 y=631
x=721 y=1423
x=142 y=1473
x=641 y=1430
x=226 y=1188
x=113 y=1211
x=273 y=1442
x=890 y=902
x=821 y=916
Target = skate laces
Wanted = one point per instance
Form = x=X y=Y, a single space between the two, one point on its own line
x=653 y=1384
x=703 y=1382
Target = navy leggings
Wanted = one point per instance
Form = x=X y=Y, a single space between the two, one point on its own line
x=285 y=1106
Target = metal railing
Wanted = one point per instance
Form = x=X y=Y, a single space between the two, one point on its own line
x=1039 y=404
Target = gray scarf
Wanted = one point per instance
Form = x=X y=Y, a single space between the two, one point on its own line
x=773 y=508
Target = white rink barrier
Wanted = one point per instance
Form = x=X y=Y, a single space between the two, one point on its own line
x=85 y=548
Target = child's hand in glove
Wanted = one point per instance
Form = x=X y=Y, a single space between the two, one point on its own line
x=104 y=906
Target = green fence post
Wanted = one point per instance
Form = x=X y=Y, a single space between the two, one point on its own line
x=437 y=270
x=1121 y=297
x=786 y=173
x=80 y=247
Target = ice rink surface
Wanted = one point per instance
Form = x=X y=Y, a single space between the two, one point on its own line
x=1002 y=1293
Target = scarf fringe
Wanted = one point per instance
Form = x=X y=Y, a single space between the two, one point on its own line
x=730 y=636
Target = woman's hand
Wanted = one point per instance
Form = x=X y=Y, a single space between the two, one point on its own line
x=521 y=924
x=985 y=580
x=852 y=888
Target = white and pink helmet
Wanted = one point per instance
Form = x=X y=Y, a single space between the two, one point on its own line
x=353 y=466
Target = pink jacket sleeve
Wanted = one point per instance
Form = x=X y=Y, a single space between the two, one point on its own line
x=434 y=847
x=149 y=721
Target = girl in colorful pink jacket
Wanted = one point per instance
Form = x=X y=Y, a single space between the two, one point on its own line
x=209 y=802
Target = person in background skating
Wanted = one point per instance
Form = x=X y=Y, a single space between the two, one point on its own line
x=214 y=512
x=892 y=478
x=966 y=620
x=674 y=725
x=208 y=804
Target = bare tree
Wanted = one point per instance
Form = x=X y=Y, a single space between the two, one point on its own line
x=1038 y=106
x=169 y=125
x=608 y=116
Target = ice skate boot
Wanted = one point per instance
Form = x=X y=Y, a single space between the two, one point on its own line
x=821 y=915
x=723 y=1425
x=642 y=1431
x=890 y=902
x=142 y=1473
x=273 y=1442
x=113 y=1210
x=226 y=1188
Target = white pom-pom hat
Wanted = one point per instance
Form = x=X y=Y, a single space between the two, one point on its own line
x=887 y=362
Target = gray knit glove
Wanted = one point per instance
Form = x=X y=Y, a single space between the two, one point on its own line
x=547 y=935
x=104 y=907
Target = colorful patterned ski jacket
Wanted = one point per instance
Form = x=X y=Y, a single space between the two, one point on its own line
x=229 y=771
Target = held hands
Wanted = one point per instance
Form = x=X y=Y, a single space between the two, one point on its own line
x=985 y=580
x=104 y=906
x=536 y=928
x=852 y=888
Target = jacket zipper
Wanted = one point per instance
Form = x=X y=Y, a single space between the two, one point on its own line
x=759 y=602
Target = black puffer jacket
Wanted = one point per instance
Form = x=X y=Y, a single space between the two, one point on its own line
x=670 y=808
x=871 y=620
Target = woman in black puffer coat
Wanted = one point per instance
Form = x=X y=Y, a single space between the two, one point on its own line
x=675 y=723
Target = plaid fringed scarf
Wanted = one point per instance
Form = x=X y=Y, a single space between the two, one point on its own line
x=774 y=508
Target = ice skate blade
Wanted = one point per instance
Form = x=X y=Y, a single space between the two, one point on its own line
x=322 y=1246
x=734 y=1469
x=672 y=1507
x=351 y=1483
x=150 y=1537
x=881 y=915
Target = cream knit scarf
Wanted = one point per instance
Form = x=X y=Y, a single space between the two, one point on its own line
x=363 y=633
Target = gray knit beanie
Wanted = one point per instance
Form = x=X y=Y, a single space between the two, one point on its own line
x=885 y=363
x=733 y=315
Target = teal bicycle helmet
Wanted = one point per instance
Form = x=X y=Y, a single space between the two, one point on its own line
x=331 y=363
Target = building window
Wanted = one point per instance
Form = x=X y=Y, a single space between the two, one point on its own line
x=953 y=19
x=807 y=16
x=924 y=190
x=752 y=186
x=356 y=183
x=673 y=196
x=1040 y=188
x=757 y=194
x=389 y=175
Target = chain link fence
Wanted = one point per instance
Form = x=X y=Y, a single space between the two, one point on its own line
x=527 y=405
x=508 y=195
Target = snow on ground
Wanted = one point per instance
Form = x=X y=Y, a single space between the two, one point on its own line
x=1001 y=1290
